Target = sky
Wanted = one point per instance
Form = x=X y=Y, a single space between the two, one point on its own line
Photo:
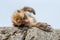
x=46 y=11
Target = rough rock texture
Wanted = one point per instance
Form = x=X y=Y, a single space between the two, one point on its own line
x=24 y=33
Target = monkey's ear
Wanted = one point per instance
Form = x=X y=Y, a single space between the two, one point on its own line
x=18 y=11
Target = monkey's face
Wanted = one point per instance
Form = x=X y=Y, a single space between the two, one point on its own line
x=17 y=18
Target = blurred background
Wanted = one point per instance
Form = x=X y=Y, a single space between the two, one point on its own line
x=46 y=11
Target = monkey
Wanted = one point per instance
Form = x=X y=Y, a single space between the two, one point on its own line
x=19 y=15
x=21 y=18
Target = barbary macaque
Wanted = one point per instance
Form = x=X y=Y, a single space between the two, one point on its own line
x=20 y=17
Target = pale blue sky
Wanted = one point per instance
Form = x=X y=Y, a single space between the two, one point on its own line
x=46 y=11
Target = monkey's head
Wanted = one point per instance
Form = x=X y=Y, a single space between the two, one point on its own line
x=29 y=9
x=17 y=18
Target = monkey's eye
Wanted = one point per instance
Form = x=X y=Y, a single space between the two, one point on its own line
x=18 y=11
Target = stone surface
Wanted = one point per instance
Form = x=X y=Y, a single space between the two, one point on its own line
x=24 y=33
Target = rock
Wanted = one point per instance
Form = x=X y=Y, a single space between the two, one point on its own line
x=24 y=33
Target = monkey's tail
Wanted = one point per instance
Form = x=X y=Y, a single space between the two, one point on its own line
x=29 y=9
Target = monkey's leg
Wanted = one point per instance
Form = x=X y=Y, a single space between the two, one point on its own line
x=43 y=26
